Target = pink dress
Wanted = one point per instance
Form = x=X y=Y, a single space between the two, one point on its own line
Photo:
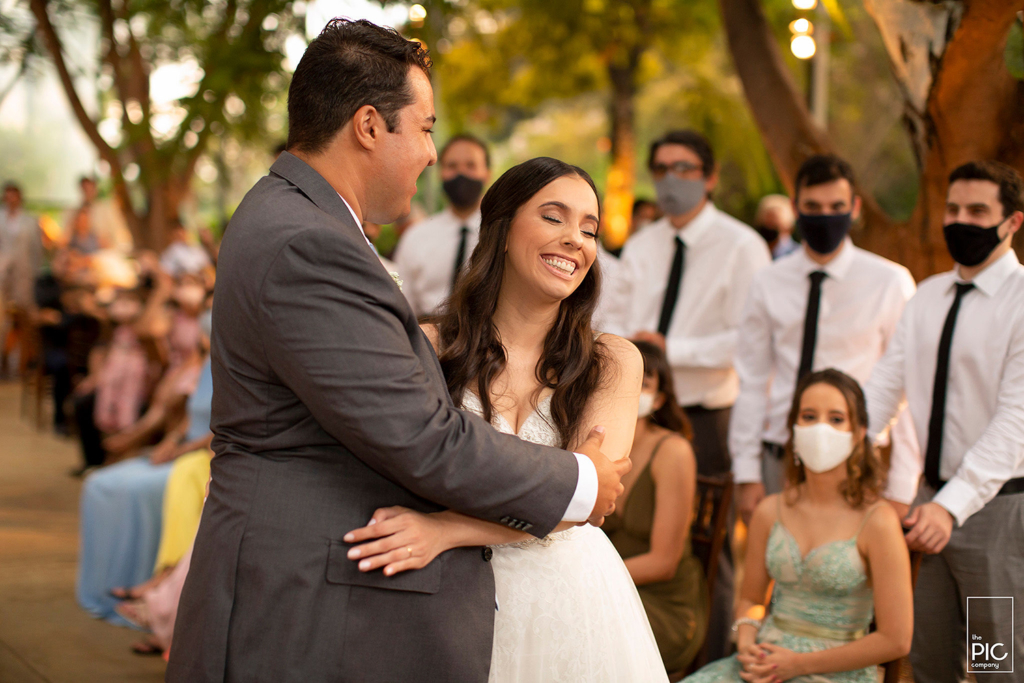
x=122 y=383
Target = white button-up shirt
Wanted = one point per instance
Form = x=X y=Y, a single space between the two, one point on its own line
x=983 y=435
x=426 y=258
x=722 y=255
x=862 y=298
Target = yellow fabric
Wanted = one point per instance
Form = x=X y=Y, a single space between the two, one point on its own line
x=183 y=505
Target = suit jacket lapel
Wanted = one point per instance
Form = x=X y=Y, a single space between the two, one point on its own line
x=312 y=184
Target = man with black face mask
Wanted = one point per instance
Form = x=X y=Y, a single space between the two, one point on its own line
x=432 y=253
x=828 y=305
x=958 y=359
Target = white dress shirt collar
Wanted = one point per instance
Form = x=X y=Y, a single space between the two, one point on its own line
x=992 y=278
x=697 y=228
x=837 y=268
x=358 y=222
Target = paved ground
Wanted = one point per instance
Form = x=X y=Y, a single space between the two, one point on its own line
x=44 y=636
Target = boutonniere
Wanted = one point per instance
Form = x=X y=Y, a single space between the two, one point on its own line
x=398 y=280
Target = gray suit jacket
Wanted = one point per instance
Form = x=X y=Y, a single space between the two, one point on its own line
x=328 y=404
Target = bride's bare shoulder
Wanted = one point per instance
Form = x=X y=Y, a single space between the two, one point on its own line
x=432 y=334
x=624 y=359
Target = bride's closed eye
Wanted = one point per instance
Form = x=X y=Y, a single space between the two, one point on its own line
x=551 y=219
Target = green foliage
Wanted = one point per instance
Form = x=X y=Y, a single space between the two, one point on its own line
x=1014 y=54
x=235 y=45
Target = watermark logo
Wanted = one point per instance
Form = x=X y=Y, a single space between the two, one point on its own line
x=990 y=634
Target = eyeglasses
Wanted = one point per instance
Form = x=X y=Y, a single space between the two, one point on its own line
x=679 y=168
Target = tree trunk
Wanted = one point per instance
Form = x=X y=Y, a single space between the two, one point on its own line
x=780 y=110
x=962 y=104
x=618 y=202
x=971 y=108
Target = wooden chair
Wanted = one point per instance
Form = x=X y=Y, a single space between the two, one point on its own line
x=707 y=536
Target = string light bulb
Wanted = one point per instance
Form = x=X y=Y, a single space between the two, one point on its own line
x=803 y=46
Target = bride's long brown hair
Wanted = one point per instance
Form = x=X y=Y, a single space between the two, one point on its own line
x=572 y=361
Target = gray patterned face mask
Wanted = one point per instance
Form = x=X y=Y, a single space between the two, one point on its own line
x=677 y=196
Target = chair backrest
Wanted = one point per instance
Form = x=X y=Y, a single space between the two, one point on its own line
x=710 y=522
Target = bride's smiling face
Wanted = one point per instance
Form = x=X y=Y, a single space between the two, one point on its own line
x=552 y=241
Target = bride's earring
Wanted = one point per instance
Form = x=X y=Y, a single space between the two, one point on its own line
x=796 y=459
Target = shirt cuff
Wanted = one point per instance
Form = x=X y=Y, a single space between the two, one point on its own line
x=746 y=470
x=901 y=489
x=959 y=498
x=582 y=503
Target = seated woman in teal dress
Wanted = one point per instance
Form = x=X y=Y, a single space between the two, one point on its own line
x=835 y=552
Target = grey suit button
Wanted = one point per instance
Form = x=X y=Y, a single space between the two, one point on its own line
x=505 y=519
x=527 y=526
x=488 y=554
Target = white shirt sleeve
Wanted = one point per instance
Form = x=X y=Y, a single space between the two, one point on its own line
x=999 y=453
x=582 y=503
x=754 y=365
x=884 y=394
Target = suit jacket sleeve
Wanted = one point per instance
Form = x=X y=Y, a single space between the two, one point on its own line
x=333 y=332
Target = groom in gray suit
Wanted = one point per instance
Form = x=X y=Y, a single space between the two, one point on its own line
x=329 y=403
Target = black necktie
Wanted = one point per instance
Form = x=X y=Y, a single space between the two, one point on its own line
x=810 y=325
x=933 y=453
x=675 y=278
x=460 y=255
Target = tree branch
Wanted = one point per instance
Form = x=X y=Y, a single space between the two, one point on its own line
x=106 y=152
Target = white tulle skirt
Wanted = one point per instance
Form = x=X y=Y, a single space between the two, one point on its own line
x=568 y=612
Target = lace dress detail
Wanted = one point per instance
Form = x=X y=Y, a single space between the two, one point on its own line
x=820 y=601
x=567 y=608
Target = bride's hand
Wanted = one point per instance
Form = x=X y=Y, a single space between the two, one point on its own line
x=405 y=539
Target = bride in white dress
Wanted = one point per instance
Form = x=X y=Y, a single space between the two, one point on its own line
x=516 y=348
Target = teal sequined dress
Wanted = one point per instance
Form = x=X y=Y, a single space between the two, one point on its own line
x=819 y=602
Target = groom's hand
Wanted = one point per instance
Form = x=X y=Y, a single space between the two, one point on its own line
x=609 y=476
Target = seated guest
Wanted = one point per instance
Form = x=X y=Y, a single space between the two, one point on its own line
x=111 y=397
x=834 y=549
x=774 y=221
x=68 y=328
x=182 y=345
x=651 y=525
x=82 y=239
x=123 y=510
x=182 y=257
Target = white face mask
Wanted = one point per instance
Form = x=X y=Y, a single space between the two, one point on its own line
x=821 y=447
x=646 y=404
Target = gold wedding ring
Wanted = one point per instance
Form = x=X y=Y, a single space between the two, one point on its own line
x=409 y=548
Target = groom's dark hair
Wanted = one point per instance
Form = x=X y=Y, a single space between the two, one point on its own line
x=349 y=65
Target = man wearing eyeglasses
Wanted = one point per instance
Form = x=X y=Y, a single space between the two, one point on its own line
x=684 y=280
x=682 y=285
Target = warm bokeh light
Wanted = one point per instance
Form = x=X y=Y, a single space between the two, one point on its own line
x=801 y=27
x=417 y=14
x=803 y=47
x=805 y=4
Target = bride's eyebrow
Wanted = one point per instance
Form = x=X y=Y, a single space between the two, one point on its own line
x=556 y=204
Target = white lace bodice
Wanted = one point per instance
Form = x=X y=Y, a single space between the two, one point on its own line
x=537 y=428
x=567 y=607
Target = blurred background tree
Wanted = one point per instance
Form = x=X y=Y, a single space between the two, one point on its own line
x=223 y=61
x=956 y=69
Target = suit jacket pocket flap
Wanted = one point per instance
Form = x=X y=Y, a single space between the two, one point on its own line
x=342 y=570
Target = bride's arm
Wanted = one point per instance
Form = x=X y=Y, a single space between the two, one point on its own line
x=394 y=532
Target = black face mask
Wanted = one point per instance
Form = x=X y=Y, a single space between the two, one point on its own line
x=969 y=244
x=769 y=234
x=824 y=232
x=463 y=192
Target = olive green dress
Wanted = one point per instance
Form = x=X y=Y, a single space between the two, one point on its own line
x=677 y=608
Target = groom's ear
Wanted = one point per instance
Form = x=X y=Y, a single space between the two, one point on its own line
x=367 y=125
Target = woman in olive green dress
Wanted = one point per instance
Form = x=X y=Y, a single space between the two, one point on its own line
x=651 y=526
